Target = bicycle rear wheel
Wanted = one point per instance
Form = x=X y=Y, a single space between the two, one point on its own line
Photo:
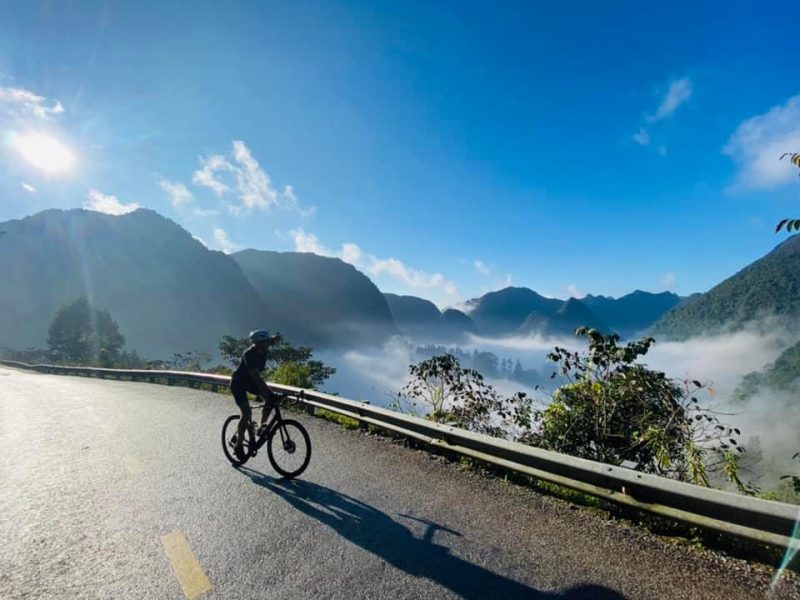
x=229 y=434
x=289 y=448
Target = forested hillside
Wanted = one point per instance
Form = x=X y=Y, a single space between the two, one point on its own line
x=768 y=287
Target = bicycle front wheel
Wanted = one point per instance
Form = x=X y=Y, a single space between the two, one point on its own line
x=289 y=448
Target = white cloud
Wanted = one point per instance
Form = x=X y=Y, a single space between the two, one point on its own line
x=352 y=254
x=243 y=177
x=178 y=193
x=669 y=280
x=723 y=359
x=204 y=212
x=758 y=143
x=308 y=242
x=374 y=374
x=108 y=204
x=199 y=239
x=255 y=186
x=223 y=241
x=410 y=280
x=28 y=188
x=641 y=137
x=679 y=92
x=205 y=175
x=482 y=268
x=574 y=292
x=290 y=202
x=21 y=102
x=536 y=344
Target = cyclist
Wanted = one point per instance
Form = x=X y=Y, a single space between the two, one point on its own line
x=247 y=378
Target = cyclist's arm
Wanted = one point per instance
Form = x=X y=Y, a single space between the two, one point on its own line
x=263 y=390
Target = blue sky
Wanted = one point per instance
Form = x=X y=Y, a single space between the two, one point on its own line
x=444 y=150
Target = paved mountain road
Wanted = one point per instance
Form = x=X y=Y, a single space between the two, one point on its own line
x=120 y=490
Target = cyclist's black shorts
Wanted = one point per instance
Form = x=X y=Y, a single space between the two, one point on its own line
x=239 y=391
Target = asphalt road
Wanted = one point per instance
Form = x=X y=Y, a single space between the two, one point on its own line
x=121 y=490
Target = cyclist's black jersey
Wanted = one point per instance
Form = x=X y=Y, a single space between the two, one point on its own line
x=251 y=359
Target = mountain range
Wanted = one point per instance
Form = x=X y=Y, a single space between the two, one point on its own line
x=169 y=293
x=768 y=287
x=165 y=289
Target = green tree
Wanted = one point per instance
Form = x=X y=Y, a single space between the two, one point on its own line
x=81 y=334
x=614 y=409
x=69 y=337
x=461 y=397
x=794 y=480
x=790 y=224
x=193 y=360
x=292 y=373
x=485 y=362
x=232 y=348
x=130 y=360
x=108 y=341
x=517 y=372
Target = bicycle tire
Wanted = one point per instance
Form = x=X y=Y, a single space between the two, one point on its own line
x=277 y=447
x=232 y=422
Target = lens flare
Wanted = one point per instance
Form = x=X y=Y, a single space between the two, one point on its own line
x=791 y=552
x=45 y=152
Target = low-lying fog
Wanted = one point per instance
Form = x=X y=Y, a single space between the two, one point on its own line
x=721 y=361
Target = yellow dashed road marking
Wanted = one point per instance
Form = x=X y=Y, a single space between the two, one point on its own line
x=194 y=582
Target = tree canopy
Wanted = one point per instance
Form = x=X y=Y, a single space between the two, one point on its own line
x=616 y=409
x=80 y=333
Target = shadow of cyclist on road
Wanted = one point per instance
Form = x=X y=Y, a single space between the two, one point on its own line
x=380 y=534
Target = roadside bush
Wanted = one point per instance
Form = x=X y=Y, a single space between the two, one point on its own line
x=615 y=409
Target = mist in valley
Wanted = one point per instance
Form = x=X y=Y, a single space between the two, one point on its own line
x=769 y=420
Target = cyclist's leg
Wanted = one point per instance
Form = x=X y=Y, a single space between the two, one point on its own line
x=269 y=403
x=240 y=397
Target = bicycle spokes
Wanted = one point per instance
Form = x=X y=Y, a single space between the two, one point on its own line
x=289 y=448
x=288 y=445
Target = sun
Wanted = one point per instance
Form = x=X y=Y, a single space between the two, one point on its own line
x=45 y=152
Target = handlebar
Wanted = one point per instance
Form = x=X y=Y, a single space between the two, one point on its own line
x=280 y=395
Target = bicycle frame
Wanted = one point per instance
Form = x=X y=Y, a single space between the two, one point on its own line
x=274 y=421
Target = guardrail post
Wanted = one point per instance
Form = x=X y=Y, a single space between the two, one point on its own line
x=363 y=425
x=311 y=409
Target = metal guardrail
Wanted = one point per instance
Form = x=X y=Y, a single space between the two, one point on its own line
x=763 y=521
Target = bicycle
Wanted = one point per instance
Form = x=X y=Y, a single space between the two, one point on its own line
x=288 y=442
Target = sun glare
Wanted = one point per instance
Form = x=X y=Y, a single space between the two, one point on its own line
x=45 y=153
